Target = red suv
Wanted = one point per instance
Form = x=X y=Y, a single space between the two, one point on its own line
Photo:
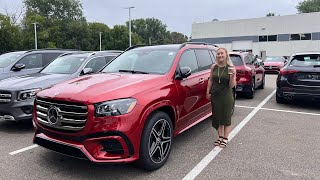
x=250 y=73
x=132 y=109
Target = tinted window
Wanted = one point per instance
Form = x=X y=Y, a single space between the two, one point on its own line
x=273 y=38
x=213 y=56
x=48 y=57
x=64 y=65
x=305 y=60
x=249 y=59
x=188 y=59
x=204 y=59
x=236 y=60
x=295 y=37
x=8 y=58
x=148 y=60
x=109 y=58
x=96 y=64
x=263 y=38
x=306 y=36
x=32 y=61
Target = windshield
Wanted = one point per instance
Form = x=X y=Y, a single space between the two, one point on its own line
x=151 y=61
x=306 y=60
x=275 y=59
x=236 y=60
x=64 y=65
x=8 y=58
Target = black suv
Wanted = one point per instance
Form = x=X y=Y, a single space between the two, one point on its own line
x=27 y=62
x=17 y=94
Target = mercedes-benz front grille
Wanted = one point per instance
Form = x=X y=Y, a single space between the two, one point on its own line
x=5 y=97
x=60 y=115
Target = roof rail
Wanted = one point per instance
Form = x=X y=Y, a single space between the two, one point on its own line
x=197 y=43
x=52 y=49
x=136 y=46
x=74 y=52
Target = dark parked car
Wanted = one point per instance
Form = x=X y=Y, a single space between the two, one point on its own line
x=17 y=94
x=250 y=73
x=273 y=64
x=27 y=62
x=132 y=109
x=300 y=78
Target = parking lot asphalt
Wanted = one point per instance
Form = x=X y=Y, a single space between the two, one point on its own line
x=279 y=142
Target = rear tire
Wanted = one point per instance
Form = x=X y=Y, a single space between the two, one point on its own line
x=156 y=141
x=250 y=94
x=280 y=100
x=263 y=82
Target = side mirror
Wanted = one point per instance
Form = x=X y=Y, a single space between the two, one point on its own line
x=286 y=61
x=185 y=72
x=86 y=71
x=18 y=67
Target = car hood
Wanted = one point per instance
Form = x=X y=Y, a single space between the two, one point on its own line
x=273 y=64
x=32 y=81
x=103 y=87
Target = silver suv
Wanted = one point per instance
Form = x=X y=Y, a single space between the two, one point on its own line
x=27 y=62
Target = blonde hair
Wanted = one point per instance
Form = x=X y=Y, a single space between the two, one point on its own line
x=229 y=62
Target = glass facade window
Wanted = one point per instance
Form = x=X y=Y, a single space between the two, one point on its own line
x=273 y=38
x=295 y=37
x=263 y=38
x=306 y=36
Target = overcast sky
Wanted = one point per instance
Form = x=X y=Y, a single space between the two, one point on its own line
x=178 y=15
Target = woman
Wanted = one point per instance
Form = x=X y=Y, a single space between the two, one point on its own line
x=219 y=90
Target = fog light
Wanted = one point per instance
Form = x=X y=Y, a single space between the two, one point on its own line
x=27 y=109
x=112 y=146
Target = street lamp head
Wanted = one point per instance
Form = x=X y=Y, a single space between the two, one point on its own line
x=130 y=7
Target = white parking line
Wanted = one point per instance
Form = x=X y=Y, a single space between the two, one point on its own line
x=23 y=149
x=280 y=110
x=206 y=160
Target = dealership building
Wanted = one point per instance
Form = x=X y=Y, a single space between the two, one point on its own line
x=267 y=36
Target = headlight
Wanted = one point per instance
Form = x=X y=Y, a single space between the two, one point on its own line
x=28 y=94
x=115 y=108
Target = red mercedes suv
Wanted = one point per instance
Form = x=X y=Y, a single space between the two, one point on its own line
x=250 y=73
x=132 y=109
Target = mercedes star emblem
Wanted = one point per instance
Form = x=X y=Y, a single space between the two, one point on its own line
x=53 y=115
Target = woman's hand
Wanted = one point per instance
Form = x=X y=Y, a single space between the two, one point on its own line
x=208 y=96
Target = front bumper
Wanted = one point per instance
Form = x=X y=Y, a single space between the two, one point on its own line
x=17 y=110
x=103 y=140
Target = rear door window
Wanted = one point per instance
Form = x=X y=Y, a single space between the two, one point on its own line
x=96 y=64
x=236 y=60
x=32 y=61
x=48 y=57
x=204 y=59
x=189 y=59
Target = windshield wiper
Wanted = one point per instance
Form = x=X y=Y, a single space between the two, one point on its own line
x=133 y=71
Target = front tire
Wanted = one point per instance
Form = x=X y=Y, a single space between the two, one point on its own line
x=250 y=94
x=156 y=141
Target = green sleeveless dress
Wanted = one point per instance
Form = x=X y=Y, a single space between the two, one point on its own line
x=221 y=97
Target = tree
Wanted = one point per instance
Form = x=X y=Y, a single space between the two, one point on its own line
x=177 y=38
x=56 y=9
x=150 y=28
x=10 y=35
x=308 y=6
x=271 y=14
x=120 y=38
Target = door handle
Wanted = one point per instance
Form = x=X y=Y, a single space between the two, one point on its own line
x=201 y=80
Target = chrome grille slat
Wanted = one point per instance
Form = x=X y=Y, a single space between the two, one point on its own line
x=51 y=103
x=72 y=117
x=5 y=97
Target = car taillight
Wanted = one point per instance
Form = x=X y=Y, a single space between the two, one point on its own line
x=286 y=71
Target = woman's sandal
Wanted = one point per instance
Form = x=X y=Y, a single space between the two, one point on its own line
x=218 y=142
x=223 y=143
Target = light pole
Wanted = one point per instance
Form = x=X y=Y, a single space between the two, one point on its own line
x=129 y=8
x=100 y=39
x=35 y=35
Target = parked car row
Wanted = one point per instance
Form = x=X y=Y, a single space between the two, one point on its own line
x=93 y=106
